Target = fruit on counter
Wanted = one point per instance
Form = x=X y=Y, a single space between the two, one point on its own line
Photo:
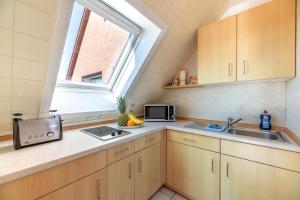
x=133 y=118
x=123 y=116
x=130 y=123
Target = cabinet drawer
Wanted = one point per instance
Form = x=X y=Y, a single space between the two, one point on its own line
x=89 y=188
x=121 y=151
x=203 y=142
x=275 y=157
x=42 y=183
x=147 y=141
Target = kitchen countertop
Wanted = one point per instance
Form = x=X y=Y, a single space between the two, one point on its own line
x=16 y=164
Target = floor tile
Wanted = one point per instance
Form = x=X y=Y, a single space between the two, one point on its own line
x=160 y=196
x=167 y=191
x=178 y=197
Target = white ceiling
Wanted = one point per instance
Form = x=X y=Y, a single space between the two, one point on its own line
x=183 y=18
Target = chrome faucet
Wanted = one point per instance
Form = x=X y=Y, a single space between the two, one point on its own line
x=231 y=122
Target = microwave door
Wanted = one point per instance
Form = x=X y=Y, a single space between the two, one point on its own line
x=156 y=113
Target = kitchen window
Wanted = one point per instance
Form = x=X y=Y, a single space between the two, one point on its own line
x=98 y=42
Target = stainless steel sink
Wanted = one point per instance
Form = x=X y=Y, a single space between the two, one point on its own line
x=269 y=135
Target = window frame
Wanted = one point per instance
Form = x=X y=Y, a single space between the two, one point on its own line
x=105 y=11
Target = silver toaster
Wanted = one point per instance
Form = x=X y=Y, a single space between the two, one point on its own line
x=28 y=132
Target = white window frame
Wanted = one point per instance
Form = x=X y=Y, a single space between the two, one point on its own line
x=112 y=15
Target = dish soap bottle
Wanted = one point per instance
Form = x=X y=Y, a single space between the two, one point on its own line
x=265 y=121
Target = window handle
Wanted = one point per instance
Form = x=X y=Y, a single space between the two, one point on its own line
x=212 y=165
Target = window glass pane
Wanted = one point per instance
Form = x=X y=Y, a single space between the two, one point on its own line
x=92 y=49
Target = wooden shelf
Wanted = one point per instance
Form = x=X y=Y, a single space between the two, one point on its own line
x=181 y=86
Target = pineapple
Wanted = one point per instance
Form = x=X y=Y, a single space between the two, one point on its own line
x=123 y=116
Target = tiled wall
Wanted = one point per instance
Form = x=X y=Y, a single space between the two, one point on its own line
x=245 y=100
x=293 y=91
x=26 y=28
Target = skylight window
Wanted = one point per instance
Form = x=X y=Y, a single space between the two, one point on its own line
x=96 y=48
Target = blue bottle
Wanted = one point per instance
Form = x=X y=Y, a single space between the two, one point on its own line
x=265 y=121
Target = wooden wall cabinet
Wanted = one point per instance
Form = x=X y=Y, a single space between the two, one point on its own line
x=193 y=171
x=217 y=52
x=91 y=187
x=254 y=45
x=147 y=172
x=247 y=180
x=266 y=39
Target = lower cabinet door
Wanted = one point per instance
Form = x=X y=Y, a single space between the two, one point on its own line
x=247 y=180
x=120 y=179
x=92 y=187
x=193 y=171
x=147 y=172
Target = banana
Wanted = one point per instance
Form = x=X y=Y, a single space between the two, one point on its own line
x=135 y=119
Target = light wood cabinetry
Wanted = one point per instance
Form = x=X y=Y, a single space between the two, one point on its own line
x=247 y=180
x=217 y=52
x=270 y=156
x=147 y=172
x=193 y=171
x=39 y=184
x=121 y=151
x=120 y=179
x=266 y=38
x=147 y=141
x=203 y=142
x=89 y=188
x=256 y=44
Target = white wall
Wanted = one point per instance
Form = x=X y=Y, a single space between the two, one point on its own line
x=26 y=28
x=246 y=100
x=293 y=90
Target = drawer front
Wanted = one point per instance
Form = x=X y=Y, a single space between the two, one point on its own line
x=203 y=142
x=147 y=141
x=275 y=157
x=42 y=183
x=121 y=151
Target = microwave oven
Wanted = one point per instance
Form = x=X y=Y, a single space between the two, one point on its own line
x=159 y=112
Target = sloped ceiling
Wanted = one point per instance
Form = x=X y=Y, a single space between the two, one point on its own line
x=183 y=18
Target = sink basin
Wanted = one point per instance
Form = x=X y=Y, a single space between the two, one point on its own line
x=269 y=135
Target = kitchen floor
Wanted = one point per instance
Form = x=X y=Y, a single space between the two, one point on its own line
x=167 y=194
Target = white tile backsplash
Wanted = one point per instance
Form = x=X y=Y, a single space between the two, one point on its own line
x=5 y=104
x=30 y=70
x=47 y=6
x=292 y=119
x=6 y=66
x=237 y=100
x=6 y=42
x=5 y=87
x=32 y=21
x=26 y=28
x=27 y=88
x=6 y=13
x=5 y=122
x=31 y=48
x=25 y=104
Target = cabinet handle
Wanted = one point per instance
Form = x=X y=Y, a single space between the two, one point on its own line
x=212 y=165
x=121 y=151
x=129 y=170
x=189 y=140
x=227 y=170
x=149 y=140
x=229 y=69
x=99 y=189
x=139 y=165
x=244 y=67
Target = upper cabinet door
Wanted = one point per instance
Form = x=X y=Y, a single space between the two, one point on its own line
x=217 y=52
x=266 y=41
